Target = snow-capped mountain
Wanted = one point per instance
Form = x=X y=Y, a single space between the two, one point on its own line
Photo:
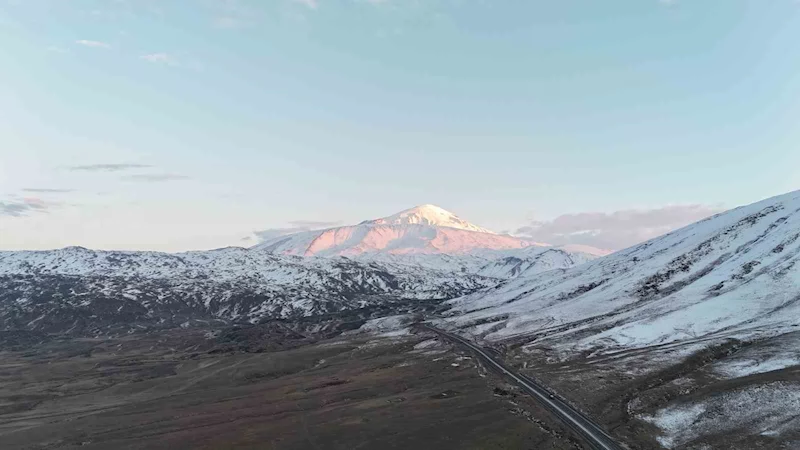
x=84 y=291
x=425 y=229
x=431 y=237
x=428 y=215
x=736 y=274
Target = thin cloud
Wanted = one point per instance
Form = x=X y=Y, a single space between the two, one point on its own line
x=313 y=224
x=24 y=207
x=160 y=58
x=311 y=4
x=616 y=230
x=155 y=177
x=94 y=44
x=47 y=191
x=108 y=167
x=229 y=22
x=233 y=14
x=297 y=226
x=272 y=233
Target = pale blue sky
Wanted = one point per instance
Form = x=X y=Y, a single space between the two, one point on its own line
x=254 y=114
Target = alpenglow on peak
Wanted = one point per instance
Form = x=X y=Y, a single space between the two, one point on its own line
x=429 y=215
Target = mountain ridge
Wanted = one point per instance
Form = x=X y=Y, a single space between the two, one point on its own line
x=79 y=291
x=727 y=275
x=82 y=291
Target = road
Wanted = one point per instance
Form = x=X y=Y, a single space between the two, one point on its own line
x=574 y=419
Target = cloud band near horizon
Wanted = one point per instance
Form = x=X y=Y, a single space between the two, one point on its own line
x=615 y=230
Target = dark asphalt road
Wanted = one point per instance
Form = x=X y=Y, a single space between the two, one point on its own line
x=594 y=435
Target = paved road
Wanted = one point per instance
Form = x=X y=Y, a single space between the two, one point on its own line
x=577 y=421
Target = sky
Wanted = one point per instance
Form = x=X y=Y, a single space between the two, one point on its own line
x=193 y=124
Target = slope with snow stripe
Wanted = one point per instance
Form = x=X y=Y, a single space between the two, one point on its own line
x=735 y=274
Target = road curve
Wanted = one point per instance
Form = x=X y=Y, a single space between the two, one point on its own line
x=574 y=419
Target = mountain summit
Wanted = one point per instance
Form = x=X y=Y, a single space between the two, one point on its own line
x=428 y=215
x=425 y=229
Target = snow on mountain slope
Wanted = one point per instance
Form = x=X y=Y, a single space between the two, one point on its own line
x=500 y=264
x=428 y=215
x=736 y=274
x=77 y=288
x=425 y=229
x=394 y=239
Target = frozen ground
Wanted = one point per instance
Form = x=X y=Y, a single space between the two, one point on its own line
x=767 y=410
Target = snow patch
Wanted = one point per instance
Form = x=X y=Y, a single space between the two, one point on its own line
x=430 y=343
x=391 y=326
x=743 y=368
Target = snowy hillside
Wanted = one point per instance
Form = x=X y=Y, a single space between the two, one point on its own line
x=736 y=274
x=501 y=264
x=76 y=288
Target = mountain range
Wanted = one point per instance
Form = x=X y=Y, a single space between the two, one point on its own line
x=698 y=328
x=734 y=274
x=82 y=291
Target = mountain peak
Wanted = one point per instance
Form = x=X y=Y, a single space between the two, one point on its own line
x=429 y=215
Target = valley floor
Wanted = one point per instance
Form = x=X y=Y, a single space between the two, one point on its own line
x=268 y=387
x=183 y=390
